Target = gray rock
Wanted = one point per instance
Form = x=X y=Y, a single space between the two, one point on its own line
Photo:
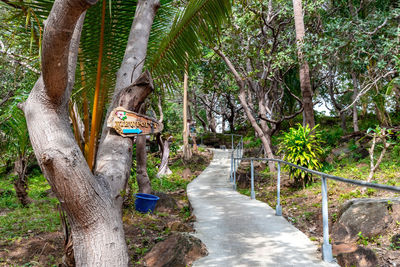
x=362 y=257
x=177 y=250
x=166 y=203
x=371 y=217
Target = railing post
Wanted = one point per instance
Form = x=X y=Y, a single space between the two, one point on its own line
x=278 y=208
x=232 y=140
x=326 y=247
x=231 y=178
x=252 y=194
x=234 y=174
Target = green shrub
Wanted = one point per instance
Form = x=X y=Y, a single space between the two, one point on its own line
x=332 y=137
x=302 y=146
x=396 y=151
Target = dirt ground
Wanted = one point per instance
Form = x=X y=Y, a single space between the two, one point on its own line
x=142 y=231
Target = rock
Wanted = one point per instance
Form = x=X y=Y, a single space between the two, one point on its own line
x=371 y=217
x=166 y=203
x=339 y=248
x=339 y=151
x=187 y=174
x=177 y=250
x=178 y=226
x=180 y=204
x=360 y=153
x=362 y=257
x=192 y=218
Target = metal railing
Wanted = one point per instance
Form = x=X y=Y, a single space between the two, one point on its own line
x=237 y=153
x=326 y=246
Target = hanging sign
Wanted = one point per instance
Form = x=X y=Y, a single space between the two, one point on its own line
x=129 y=124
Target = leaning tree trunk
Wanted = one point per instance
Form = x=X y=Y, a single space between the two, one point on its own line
x=20 y=182
x=355 y=93
x=164 y=169
x=266 y=140
x=305 y=84
x=92 y=202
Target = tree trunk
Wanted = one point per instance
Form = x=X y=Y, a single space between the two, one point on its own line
x=305 y=84
x=164 y=170
x=194 y=143
x=187 y=153
x=92 y=202
x=266 y=141
x=20 y=182
x=355 y=93
x=141 y=165
x=211 y=121
x=266 y=132
x=342 y=116
x=203 y=123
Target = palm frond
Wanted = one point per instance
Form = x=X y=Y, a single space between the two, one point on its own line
x=200 y=20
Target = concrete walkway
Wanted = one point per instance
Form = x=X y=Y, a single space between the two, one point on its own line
x=239 y=231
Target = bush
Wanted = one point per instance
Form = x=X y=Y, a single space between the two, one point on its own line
x=302 y=147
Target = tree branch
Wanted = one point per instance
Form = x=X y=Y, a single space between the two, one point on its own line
x=366 y=89
x=377 y=28
x=56 y=45
x=16 y=59
x=6 y=98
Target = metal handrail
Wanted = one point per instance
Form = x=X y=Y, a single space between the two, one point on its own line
x=238 y=150
x=326 y=246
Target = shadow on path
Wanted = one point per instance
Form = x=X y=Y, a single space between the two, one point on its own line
x=239 y=231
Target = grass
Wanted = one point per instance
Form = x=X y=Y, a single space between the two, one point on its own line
x=19 y=222
x=25 y=222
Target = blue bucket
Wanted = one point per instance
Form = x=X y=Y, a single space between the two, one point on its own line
x=145 y=202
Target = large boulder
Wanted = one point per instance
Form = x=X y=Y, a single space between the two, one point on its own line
x=371 y=217
x=166 y=203
x=177 y=250
x=362 y=257
x=178 y=226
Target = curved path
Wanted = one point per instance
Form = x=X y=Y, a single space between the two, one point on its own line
x=239 y=231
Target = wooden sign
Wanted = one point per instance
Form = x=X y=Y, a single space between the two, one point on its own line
x=129 y=124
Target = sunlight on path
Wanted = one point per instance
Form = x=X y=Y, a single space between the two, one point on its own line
x=239 y=231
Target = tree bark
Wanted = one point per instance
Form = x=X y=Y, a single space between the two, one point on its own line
x=355 y=93
x=305 y=84
x=141 y=165
x=20 y=182
x=187 y=153
x=92 y=202
x=211 y=121
x=96 y=223
x=164 y=170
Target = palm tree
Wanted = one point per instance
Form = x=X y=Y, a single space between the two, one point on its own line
x=92 y=199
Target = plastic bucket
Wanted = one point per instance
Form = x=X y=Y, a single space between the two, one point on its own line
x=145 y=202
